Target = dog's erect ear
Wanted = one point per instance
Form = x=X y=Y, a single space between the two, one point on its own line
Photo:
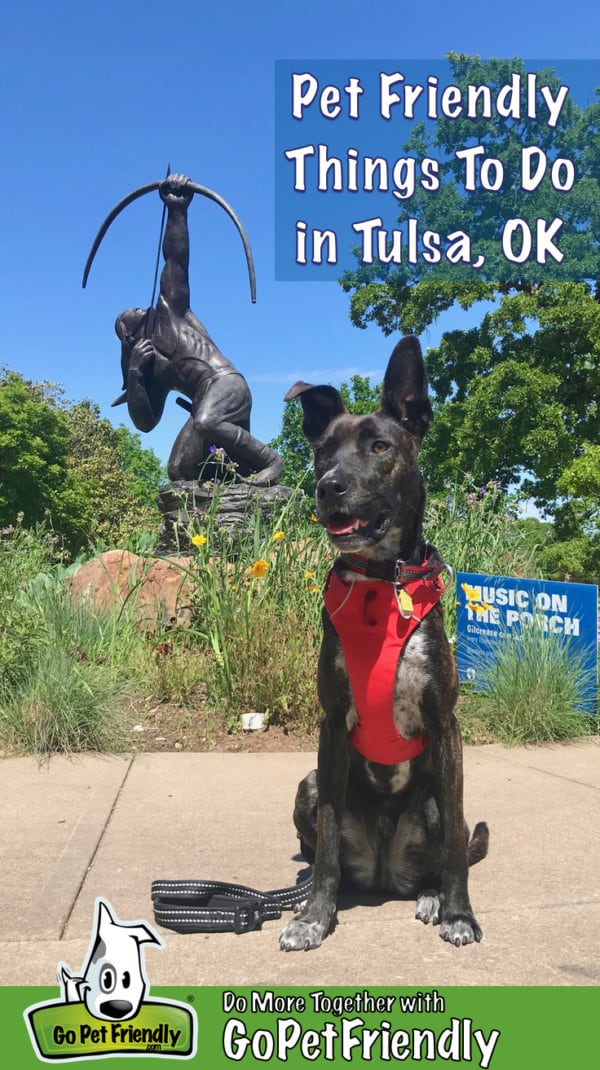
x=320 y=404
x=404 y=393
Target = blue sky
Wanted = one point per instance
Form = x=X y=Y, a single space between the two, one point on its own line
x=97 y=99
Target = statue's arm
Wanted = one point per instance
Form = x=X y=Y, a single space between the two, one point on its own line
x=174 y=281
x=145 y=398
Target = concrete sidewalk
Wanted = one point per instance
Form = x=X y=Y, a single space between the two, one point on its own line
x=73 y=830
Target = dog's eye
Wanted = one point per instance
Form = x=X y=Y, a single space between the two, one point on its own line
x=379 y=446
x=126 y=980
x=108 y=978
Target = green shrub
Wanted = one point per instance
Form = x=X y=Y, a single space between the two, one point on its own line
x=257 y=611
x=476 y=529
x=69 y=671
x=23 y=554
x=64 y=669
x=534 y=688
x=65 y=706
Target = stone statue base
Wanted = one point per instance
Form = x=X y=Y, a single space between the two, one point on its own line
x=228 y=507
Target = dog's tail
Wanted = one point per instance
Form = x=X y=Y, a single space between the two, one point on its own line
x=477 y=847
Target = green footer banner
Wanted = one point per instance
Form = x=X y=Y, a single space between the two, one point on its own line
x=503 y=1028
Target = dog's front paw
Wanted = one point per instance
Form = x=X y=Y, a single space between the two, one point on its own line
x=301 y=935
x=459 y=929
x=428 y=908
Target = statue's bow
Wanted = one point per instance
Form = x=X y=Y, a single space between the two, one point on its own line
x=151 y=188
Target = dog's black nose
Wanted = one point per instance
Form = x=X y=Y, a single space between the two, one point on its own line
x=331 y=488
x=116 y=1008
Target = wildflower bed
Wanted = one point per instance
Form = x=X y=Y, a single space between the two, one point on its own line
x=77 y=678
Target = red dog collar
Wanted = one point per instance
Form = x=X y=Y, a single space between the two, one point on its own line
x=373 y=627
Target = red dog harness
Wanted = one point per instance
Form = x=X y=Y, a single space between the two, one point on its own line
x=374 y=620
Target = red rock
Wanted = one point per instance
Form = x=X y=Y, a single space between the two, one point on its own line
x=157 y=590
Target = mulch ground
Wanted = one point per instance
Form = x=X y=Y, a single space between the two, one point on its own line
x=168 y=727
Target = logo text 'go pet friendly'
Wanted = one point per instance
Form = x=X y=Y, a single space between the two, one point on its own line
x=105 y=1010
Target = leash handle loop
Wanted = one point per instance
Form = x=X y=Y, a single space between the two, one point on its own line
x=198 y=906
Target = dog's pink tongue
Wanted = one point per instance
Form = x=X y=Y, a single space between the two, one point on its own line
x=345 y=528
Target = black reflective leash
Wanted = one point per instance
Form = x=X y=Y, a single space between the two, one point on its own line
x=215 y=906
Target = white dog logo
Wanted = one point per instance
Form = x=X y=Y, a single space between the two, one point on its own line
x=113 y=982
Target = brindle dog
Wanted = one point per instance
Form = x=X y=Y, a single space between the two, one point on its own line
x=397 y=827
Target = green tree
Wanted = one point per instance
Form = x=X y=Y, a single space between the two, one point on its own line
x=516 y=398
x=575 y=550
x=62 y=464
x=35 y=478
x=107 y=461
x=580 y=483
x=143 y=470
x=359 y=397
x=407 y=298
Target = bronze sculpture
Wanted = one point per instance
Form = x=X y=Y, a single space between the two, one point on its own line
x=168 y=348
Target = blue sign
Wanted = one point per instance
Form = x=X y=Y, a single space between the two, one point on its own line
x=491 y=608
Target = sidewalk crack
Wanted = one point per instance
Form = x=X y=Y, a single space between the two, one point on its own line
x=99 y=843
x=547 y=772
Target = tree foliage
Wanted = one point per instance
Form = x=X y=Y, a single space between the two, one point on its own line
x=407 y=298
x=143 y=470
x=112 y=465
x=62 y=464
x=576 y=548
x=35 y=477
x=517 y=397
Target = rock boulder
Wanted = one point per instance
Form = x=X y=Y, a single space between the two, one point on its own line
x=158 y=591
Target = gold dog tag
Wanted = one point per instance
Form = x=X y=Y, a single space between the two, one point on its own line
x=405 y=602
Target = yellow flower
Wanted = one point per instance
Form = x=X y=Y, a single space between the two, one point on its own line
x=471 y=592
x=278 y=536
x=199 y=540
x=309 y=575
x=313 y=519
x=313 y=588
x=259 y=569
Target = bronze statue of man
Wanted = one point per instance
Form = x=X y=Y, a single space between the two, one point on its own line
x=169 y=349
